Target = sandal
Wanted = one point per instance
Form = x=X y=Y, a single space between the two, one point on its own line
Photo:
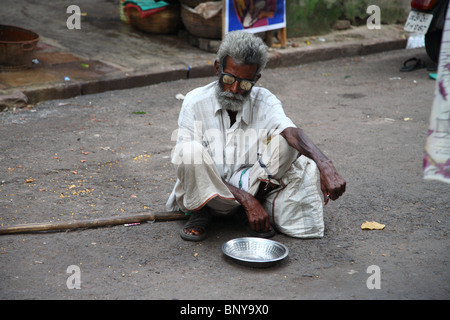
x=412 y=64
x=200 y=221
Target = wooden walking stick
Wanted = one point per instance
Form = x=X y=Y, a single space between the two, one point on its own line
x=95 y=223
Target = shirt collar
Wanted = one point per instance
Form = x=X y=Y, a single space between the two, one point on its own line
x=246 y=112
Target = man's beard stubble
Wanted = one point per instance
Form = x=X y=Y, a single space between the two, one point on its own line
x=226 y=100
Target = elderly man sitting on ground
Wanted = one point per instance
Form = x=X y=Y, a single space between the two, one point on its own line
x=235 y=146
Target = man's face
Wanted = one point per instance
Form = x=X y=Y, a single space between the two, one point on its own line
x=231 y=96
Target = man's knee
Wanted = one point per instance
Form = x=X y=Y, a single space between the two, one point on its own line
x=278 y=156
x=188 y=153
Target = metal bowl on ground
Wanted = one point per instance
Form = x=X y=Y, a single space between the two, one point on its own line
x=255 y=252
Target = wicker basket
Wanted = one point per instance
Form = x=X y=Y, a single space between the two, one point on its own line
x=192 y=3
x=200 y=27
x=163 y=22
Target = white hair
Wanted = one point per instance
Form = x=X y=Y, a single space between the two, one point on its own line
x=243 y=48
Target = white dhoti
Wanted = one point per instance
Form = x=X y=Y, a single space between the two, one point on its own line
x=199 y=182
x=212 y=150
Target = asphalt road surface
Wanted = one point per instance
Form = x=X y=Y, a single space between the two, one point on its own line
x=108 y=155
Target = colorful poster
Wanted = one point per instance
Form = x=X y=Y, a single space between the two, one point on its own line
x=254 y=15
x=437 y=148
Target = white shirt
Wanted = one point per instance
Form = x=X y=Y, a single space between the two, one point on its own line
x=203 y=119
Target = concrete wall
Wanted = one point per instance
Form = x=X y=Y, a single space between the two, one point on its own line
x=313 y=17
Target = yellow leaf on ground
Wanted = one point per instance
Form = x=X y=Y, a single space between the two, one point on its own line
x=372 y=225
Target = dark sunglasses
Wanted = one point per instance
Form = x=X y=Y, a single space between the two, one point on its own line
x=229 y=79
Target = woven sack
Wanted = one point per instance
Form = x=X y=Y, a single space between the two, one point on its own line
x=296 y=209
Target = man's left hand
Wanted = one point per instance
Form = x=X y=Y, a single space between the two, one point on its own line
x=331 y=183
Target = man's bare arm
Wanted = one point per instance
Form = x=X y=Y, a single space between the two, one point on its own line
x=330 y=181
x=258 y=218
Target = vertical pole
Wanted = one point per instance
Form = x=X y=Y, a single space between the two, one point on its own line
x=224 y=7
x=283 y=36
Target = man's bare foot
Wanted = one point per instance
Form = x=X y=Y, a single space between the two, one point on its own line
x=194 y=231
x=195 y=227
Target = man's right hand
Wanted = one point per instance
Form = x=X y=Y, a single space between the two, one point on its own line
x=258 y=218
